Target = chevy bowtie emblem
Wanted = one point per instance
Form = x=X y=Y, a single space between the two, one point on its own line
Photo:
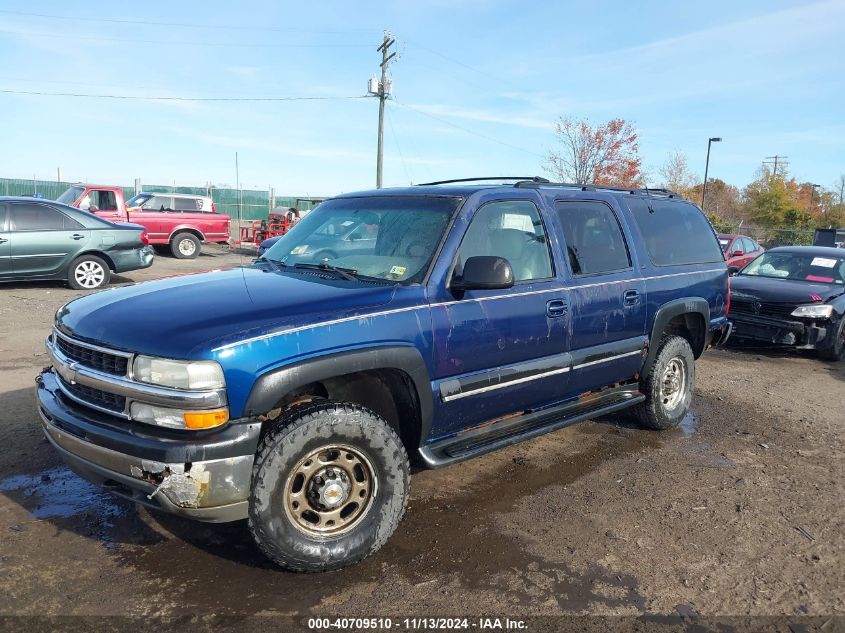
x=756 y=306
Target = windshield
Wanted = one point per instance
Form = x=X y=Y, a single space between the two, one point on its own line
x=799 y=267
x=385 y=237
x=138 y=200
x=70 y=195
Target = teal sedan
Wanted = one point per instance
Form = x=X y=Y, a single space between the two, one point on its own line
x=42 y=240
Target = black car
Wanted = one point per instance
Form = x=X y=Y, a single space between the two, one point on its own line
x=792 y=296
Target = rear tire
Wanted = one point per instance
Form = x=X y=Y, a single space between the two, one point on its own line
x=668 y=386
x=88 y=272
x=185 y=246
x=329 y=486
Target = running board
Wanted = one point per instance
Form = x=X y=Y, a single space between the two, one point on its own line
x=518 y=427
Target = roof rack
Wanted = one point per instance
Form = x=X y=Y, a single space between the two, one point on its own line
x=536 y=179
x=534 y=183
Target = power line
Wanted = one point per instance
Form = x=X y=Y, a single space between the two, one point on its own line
x=231 y=27
x=146 y=98
x=467 y=130
x=396 y=141
x=215 y=43
x=457 y=62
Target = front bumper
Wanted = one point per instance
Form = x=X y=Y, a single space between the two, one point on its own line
x=200 y=475
x=774 y=331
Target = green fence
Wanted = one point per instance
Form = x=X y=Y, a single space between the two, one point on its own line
x=246 y=204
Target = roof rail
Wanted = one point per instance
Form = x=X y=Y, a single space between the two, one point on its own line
x=593 y=187
x=536 y=179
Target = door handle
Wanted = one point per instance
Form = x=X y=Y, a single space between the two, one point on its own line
x=556 y=308
x=3 y=240
x=631 y=297
x=76 y=236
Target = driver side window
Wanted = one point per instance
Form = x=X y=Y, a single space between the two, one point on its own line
x=512 y=230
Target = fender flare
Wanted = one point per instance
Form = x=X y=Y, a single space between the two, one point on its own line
x=270 y=386
x=667 y=312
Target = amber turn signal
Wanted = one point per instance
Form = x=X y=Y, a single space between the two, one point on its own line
x=206 y=419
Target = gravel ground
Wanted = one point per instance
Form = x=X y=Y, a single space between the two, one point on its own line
x=738 y=512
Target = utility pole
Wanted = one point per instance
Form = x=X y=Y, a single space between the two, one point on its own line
x=773 y=160
x=382 y=90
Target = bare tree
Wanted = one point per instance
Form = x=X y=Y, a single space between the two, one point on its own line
x=839 y=188
x=676 y=174
x=607 y=154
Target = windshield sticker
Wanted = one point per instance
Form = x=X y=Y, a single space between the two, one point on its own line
x=823 y=262
x=398 y=270
x=824 y=280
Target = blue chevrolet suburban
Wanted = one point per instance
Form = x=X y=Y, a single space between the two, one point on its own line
x=295 y=391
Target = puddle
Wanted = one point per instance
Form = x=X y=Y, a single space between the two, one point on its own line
x=59 y=492
x=689 y=424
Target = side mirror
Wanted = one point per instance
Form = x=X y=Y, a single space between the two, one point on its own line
x=737 y=253
x=485 y=272
x=733 y=270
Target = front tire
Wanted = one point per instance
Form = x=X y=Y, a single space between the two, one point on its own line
x=88 y=272
x=836 y=352
x=329 y=487
x=185 y=246
x=668 y=386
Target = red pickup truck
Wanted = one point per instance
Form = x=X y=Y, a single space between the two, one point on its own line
x=181 y=226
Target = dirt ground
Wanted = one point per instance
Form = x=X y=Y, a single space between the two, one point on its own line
x=739 y=512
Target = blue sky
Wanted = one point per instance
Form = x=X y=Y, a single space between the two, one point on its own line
x=478 y=86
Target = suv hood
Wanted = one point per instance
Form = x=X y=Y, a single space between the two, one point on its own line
x=180 y=317
x=782 y=290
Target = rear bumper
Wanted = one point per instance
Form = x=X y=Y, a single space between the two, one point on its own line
x=205 y=478
x=135 y=259
x=774 y=331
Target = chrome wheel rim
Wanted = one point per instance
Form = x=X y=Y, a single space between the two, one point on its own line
x=89 y=274
x=673 y=384
x=330 y=490
x=187 y=247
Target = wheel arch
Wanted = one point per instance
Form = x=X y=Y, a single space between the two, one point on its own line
x=688 y=317
x=186 y=228
x=109 y=261
x=391 y=380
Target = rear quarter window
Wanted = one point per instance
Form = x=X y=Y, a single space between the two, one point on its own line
x=675 y=232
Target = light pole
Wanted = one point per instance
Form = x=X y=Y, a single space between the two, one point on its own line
x=712 y=139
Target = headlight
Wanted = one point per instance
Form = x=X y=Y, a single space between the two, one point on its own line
x=199 y=374
x=813 y=311
x=177 y=418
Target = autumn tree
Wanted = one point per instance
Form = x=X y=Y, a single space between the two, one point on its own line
x=723 y=200
x=607 y=154
x=676 y=174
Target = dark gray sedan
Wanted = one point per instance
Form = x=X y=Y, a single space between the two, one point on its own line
x=41 y=240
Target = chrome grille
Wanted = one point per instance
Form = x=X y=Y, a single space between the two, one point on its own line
x=92 y=357
x=95 y=397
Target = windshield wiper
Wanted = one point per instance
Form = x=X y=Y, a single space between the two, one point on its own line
x=275 y=263
x=350 y=274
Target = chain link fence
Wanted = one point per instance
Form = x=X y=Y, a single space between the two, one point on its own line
x=243 y=206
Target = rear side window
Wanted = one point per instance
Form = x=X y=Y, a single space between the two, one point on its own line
x=39 y=217
x=594 y=241
x=187 y=204
x=675 y=232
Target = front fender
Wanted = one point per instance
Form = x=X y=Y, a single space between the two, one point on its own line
x=271 y=386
